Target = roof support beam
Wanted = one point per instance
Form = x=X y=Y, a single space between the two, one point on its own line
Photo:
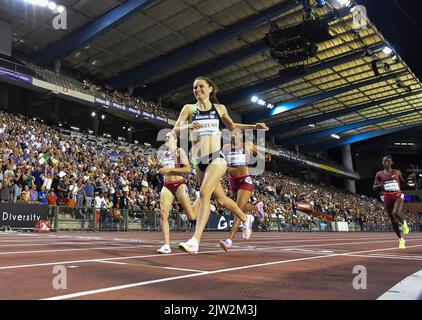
x=267 y=113
x=357 y=138
x=293 y=125
x=185 y=77
x=311 y=137
x=91 y=31
x=147 y=70
x=255 y=89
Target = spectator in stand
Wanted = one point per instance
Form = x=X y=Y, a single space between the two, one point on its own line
x=47 y=181
x=144 y=184
x=80 y=193
x=71 y=202
x=33 y=194
x=63 y=191
x=100 y=202
x=25 y=195
x=88 y=193
x=6 y=187
x=55 y=182
x=42 y=195
x=52 y=198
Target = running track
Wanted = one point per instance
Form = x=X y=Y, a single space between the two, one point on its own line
x=268 y=266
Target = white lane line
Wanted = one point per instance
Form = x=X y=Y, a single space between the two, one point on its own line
x=286 y=238
x=182 y=269
x=145 y=246
x=379 y=256
x=111 y=262
x=205 y=243
x=138 y=284
x=409 y=288
x=177 y=254
x=149 y=266
x=59 y=243
x=76 y=249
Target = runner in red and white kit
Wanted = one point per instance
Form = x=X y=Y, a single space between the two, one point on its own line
x=175 y=164
x=237 y=155
x=389 y=181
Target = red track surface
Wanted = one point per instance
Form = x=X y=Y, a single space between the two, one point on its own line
x=269 y=266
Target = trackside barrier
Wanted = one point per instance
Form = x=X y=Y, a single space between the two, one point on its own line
x=91 y=219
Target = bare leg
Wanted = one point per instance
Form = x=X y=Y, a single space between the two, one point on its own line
x=395 y=217
x=229 y=204
x=242 y=200
x=213 y=174
x=166 y=200
x=183 y=197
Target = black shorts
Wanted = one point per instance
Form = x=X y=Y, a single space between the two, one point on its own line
x=203 y=163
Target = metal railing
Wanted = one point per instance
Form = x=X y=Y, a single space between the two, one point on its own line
x=16 y=67
x=91 y=219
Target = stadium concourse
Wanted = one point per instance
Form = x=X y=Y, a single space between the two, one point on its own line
x=90 y=89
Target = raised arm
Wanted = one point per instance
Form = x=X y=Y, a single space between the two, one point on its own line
x=231 y=125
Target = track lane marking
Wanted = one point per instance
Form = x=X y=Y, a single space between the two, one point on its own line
x=143 y=283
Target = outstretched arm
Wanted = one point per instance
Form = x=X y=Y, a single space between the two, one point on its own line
x=231 y=125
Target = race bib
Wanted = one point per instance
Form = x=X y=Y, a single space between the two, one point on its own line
x=236 y=159
x=391 y=186
x=210 y=127
x=168 y=163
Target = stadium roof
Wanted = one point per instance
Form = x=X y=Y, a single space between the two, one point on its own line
x=160 y=46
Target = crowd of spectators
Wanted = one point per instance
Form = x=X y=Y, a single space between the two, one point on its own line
x=127 y=98
x=78 y=83
x=40 y=164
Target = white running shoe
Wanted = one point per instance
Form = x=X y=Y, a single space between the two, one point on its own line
x=165 y=249
x=247 y=228
x=226 y=245
x=191 y=246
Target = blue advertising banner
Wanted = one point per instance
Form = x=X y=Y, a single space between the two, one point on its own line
x=128 y=108
x=161 y=118
x=148 y=115
x=102 y=101
x=15 y=75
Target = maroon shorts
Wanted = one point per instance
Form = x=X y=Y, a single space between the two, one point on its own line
x=173 y=185
x=390 y=198
x=244 y=183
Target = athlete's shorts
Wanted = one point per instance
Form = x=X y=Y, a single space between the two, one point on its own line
x=390 y=198
x=173 y=185
x=203 y=163
x=244 y=183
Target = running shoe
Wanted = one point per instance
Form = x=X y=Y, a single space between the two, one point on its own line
x=165 y=249
x=402 y=244
x=226 y=245
x=191 y=246
x=247 y=227
x=405 y=227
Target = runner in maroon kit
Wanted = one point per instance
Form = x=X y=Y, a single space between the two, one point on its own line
x=237 y=155
x=389 y=181
x=174 y=164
